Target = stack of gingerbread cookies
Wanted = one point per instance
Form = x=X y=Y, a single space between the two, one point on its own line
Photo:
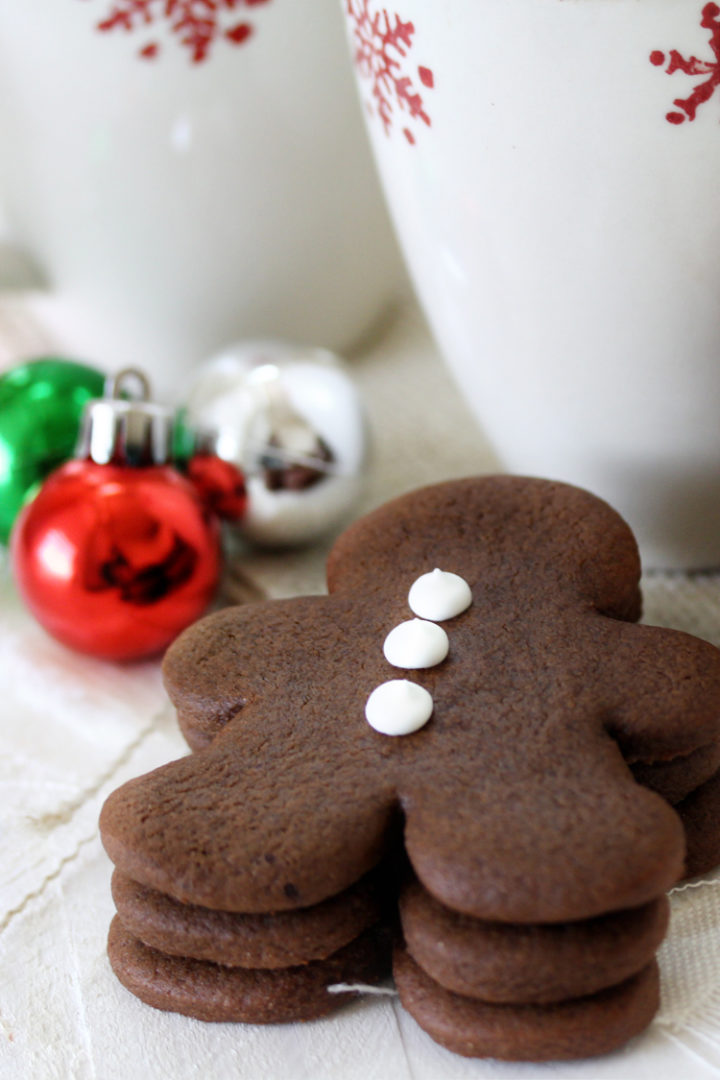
x=466 y=733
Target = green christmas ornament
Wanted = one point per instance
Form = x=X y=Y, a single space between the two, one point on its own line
x=40 y=407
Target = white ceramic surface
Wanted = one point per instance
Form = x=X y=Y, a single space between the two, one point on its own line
x=551 y=168
x=183 y=196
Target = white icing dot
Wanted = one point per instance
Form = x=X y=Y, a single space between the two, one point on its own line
x=439 y=595
x=398 y=707
x=416 y=644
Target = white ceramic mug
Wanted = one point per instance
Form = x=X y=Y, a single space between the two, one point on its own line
x=186 y=181
x=551 y=167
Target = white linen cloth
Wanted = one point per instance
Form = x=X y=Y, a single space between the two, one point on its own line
x=74 y=728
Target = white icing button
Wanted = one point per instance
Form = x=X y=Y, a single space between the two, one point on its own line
x=416 y=644
x=439 y=595
x=398 y=707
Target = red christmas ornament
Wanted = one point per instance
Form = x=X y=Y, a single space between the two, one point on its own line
x=220 y=485
x=117 y=554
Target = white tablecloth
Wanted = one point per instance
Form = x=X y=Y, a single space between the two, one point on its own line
x=75 y=728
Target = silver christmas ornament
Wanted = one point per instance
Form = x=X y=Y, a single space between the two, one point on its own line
x=291 y=420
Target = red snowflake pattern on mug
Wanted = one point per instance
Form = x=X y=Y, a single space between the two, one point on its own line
x=710 y=20
x=381 y=46
x=197 y=24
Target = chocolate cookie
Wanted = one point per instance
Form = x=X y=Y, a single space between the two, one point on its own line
x=700 y=815
x=506 y=962
x=580 y=1027
x=217 y=992
x=253 y=941
x=677 y=778
x=491 y=736
x=544 y=686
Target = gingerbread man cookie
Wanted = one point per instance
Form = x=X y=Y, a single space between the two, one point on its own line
x=470 y=696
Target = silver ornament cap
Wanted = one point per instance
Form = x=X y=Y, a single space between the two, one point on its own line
x=291 y=419
x=126 y=430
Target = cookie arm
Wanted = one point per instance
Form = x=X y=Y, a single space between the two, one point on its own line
x=664 y=686
x=252 y=824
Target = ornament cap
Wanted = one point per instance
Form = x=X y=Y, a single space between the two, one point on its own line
x=126 y=430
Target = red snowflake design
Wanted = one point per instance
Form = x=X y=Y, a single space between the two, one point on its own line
x=382 y=43
x=692 y=66
x=197 y=24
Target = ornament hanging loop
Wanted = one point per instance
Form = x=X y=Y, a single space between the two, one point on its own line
x=116 y=386
x=126 y=431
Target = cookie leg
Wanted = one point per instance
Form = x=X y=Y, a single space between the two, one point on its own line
x=538 y=964
x=212 y=992
x=253 y=941
x=580 y=1027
